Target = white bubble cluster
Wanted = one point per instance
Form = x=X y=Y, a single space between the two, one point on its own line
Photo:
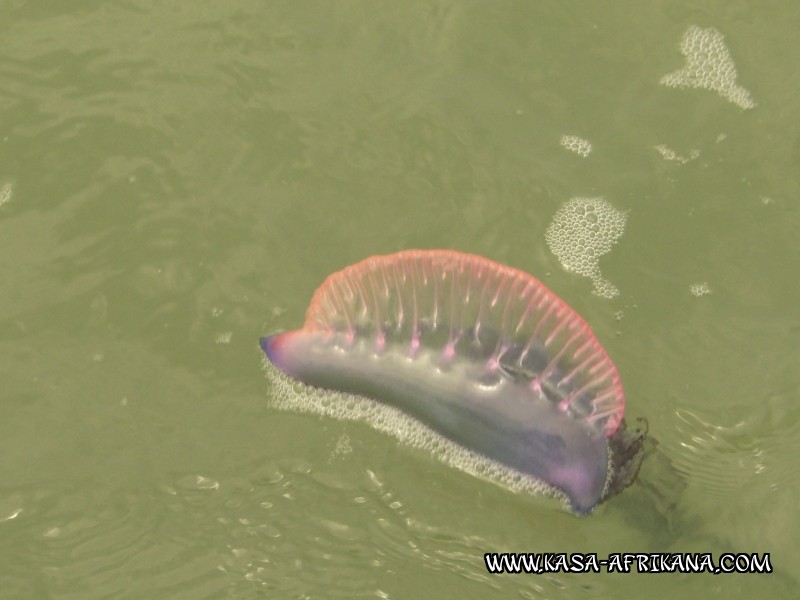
x=224 y=338
x=709 y=66
x=5 y=193
x=699 y=289
x=577 y=145
x=583 y=230
x=343 y=447
x=670 y=154
x=293 y=396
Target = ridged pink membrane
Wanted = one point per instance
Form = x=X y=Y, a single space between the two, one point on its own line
x=421 y=292
x=438 y=325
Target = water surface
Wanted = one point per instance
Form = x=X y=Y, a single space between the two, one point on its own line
x=176 y=180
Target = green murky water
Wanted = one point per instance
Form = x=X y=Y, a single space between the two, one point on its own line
x=175 y=180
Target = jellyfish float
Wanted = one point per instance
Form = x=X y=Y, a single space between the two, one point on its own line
x=482 y=354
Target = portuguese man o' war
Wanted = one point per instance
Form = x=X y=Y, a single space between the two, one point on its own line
x=477 y=361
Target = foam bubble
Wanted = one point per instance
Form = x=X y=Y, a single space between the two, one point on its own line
x=5 y=192
x=287 y=395
x=343 y=446
x=224 y=338
x=577 y=145
x=670 y=154
x=709 y=66
x=583 y=230
x=699 y=289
